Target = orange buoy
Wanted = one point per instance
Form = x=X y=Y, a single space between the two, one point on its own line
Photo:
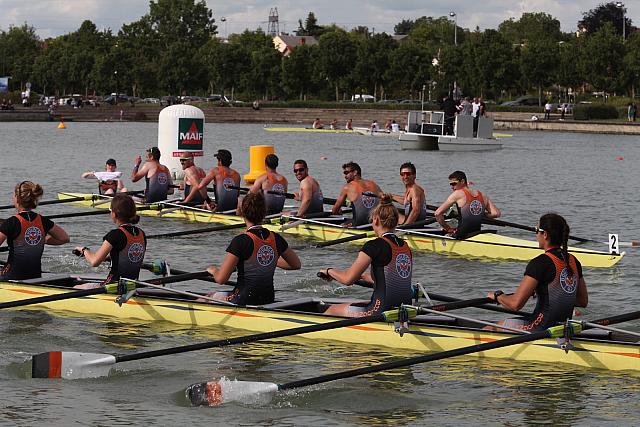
x=619 y=158
x=61 y=124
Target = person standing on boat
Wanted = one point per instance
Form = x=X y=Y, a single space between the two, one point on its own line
x=450 y=110
x=272 y=185
x=358 y=191
x=157 y=176
x=390 y=261
x=472 y=206
x=414 y=199
x=109 y=182
x=124 y=246
x=255 y=254
x=554 y=277
x=192 y=177
x=317 y=124
x=310 y=195
x=26 y=233
x=223 y=178
x=465 y=107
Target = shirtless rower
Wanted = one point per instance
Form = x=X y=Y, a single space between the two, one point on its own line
x=317 y=124
x=310 y=195
x=157 y=176
x=414 y=199
x=353 y=191
x=223 y=177
x=472 y=205
x=192 y=177
x=271 y=183
x=109 y=182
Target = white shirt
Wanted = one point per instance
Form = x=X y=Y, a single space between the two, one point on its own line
x=475 y=107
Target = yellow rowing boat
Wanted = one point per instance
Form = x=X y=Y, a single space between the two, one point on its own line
x=486 y=245
x=604 y=350
x=298 y=129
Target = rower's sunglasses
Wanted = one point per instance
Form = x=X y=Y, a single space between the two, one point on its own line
x=454 y=183
x=299 y=170
x=538 y=230
x=347 y=171
x=406 y=173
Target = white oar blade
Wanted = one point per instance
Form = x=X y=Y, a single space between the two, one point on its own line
x=71 y=365
x=217 y=392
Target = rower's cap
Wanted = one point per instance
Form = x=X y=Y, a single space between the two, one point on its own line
x=223 y=155
x=111 y=162
x=187 y=155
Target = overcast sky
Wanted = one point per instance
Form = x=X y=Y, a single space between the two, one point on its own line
x=56 y=17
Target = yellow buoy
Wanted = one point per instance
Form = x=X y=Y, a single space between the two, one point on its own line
x=61 y=124
x=257 y=154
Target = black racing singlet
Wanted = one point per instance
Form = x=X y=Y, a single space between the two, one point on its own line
x=198 y=199
x=393 y=281
x=157 y=187
x=471 y=214
x=408 y=208
x=363 y=204
x=275 y=202
x=25 y=251
x=128 y=261
x=227 y=198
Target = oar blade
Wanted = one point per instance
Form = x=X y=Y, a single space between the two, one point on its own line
x=217 y=392
x=71 y=365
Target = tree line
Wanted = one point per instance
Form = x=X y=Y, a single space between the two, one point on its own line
x=174 y=50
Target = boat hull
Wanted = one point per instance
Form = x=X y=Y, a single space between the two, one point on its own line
x=484 y=245
x=447 y=143
x=422 y=338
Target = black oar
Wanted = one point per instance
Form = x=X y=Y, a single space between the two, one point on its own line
x=325 y=200
x=364 y=235
x=56 y=201
x=111 y=288
x=72 y=365
x=491 y=306
x=197 y=231
x=221 y=391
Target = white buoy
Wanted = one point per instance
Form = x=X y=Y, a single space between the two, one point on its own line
x=180 y=129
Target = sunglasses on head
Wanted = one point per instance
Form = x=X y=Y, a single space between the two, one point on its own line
x=299 y=170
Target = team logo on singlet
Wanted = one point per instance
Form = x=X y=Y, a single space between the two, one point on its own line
x=265 y=255
x=136 y=252
x=475 y=207
x=368 y=201
x=568 y=283
x=279 y=188
x=228 y=182
x=162 y=178
x=33 y=236
x=403 y=265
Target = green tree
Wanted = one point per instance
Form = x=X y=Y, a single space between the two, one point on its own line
x=632 y=62
x=531 y=27
x=409 y=69
x=310 y=27
x=538 y=63
x=335 y=58
x=297 y=71
x=19 y=47
x=372 y=61
x=593 y=20
x=403 y=27
x=603 y=59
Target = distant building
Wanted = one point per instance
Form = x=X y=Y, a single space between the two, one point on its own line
x=286 y=44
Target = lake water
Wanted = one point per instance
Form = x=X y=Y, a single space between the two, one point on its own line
x=590 y=179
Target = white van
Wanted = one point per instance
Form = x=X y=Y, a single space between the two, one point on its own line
x=363 y=98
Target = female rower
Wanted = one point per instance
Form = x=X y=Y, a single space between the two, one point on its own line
x=255 y=254
x=555 y=277
x=391 y=264
x=125 y=246
x=26 y=234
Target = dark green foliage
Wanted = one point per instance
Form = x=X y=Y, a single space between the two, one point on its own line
x=595 y=112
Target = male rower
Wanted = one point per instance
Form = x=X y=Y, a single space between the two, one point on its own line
x=157 y=176
x=223 y=178
x=272 y=184
x=109 y=181
x=363 y=194
x=310 y=195
x=414 y=199
x=472 y=205
x=192 y=177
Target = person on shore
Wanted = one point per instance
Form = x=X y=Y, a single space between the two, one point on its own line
x=631 y=112
x=472 y=206
x=124 y=246
x=26 y=233
x=193 y=175
x=414 y=199
x=255 y=254
x=310 y=194
x=554 y=277
x=272 y=185
x=157 y=176
x=317 y=124
x=547 y=110
x=349 y=124
x=225 y=182
x=362 y=193
x=109 y=181
x=390 y=261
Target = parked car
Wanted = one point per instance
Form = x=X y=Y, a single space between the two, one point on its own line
x=168 y=100
x=521 y=102
x=363 y=98
x=151 y=100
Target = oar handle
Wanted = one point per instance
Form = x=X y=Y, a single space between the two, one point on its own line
x=342 y=240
